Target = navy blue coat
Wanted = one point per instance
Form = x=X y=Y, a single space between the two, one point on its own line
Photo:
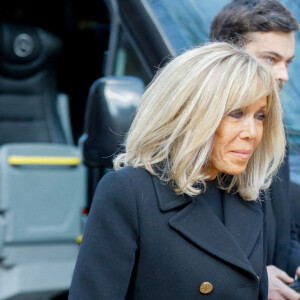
x=142 y=241
x=283 y=245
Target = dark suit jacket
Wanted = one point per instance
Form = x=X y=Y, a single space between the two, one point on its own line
x=142 y=241
x=283 y=244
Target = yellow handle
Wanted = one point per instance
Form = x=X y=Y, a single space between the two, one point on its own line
x=79 y=239
x=18 y=160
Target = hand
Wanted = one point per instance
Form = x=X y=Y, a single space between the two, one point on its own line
x=298 y=272
x=278 y=289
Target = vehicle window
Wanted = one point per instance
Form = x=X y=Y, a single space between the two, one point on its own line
x=127 y=62
x=187 y=23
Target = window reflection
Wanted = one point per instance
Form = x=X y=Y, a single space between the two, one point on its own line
x=127 y=61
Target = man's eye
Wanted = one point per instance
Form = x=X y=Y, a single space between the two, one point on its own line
x=236 y=114
x=269 y=59
x=288 y=62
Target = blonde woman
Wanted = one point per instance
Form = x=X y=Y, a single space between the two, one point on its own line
x=183 y=215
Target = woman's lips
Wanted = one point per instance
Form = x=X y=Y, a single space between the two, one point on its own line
x=245 y=154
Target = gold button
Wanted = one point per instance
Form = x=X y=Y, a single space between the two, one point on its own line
x=206 y=287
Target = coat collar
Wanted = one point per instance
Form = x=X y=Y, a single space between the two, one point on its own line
x=195 y=220
x=167 y=198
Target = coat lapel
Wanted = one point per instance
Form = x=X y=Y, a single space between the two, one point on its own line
x=196 y=222
x=244 y=220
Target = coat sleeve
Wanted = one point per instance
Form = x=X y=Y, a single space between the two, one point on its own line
x=287 y=251
x=294 y=255
x=294 y=247
x=110 y=242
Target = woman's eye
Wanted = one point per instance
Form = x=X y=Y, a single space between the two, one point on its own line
x=236 y=114
x=261 y=116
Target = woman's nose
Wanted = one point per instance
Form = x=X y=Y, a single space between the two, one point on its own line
x=249 y=129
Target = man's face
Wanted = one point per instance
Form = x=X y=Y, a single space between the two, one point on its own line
x=276 y=49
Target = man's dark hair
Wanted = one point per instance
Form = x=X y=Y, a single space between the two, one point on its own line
x=240 y=17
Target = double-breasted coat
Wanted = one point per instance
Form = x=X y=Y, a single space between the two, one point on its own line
x=142 y=241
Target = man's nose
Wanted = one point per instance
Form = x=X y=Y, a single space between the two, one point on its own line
x=281 y=72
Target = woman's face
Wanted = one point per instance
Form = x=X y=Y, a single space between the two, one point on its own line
x=236 y=138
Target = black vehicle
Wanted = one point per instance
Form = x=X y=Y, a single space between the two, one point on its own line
x=71 y=75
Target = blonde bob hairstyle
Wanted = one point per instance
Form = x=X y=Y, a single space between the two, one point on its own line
x=173 y=131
